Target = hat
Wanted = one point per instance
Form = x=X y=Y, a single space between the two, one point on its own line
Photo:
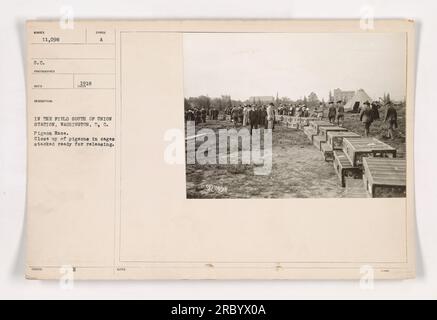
x=388 y=103
x=330 y=102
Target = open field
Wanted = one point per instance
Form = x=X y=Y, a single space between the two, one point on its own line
x=298 y=170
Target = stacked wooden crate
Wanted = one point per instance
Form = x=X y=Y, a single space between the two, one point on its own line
x=385 y=177
x=316 y=125
x=355 y=157
x=313 y=129
x=294 y=123
x=318 y=140
x=322 y=136
x=327 y=152
x=325 y=147
x=325 y=130
x=335 y=138
x=306 y=121
x=318 y=132
x=344 y=168
x=309 y=132
x=349 y=161
x=357 y=148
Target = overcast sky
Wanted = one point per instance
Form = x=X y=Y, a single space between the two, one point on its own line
x=245 y=64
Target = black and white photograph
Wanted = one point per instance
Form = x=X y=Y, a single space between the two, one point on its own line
x=295 y=115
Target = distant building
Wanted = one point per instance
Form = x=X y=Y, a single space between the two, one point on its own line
x=344 y=96
x=261 y=99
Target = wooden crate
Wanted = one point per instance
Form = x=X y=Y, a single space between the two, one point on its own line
x=318 y=140
x=385 y=178
x=317 y=124
x=344 y=168
x=335 y=138
x=325 y=130
x=293 y=122
x=357 y=148
x=327 y=151
x=286 y=120
x=309 y=132
x=306 y=121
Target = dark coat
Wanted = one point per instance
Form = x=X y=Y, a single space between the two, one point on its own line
x=375 y=111
x=366 y=115
x=391 y=115
x=332 y=111
x=253 y=117
x=262 y=115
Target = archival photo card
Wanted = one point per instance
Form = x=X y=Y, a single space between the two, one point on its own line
x=220 y=150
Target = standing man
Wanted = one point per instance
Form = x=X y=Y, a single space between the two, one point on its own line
x=366 y=117
x=191 y=116
x=321 y=111
x=299 y=112
x=270 y=117
x=245 y=115
x=306 y=111
x=340 y=113
x=375 y=110
x=391 y=118
x=203 y=111
x=235 y=115
x=198 y=116
x=263 y=116
x=292 y=110
x=253 y=119
x=240 y=115
x=331 y=112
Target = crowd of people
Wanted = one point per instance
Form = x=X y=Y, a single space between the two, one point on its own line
x=370 y=113
x=257 y=116
x=294 y=110
x=336 y=112
x=199 y=115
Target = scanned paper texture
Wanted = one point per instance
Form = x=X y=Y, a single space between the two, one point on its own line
x=220 y=150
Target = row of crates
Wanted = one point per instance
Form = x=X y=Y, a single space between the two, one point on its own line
x=295 y=122
x=360 y=158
